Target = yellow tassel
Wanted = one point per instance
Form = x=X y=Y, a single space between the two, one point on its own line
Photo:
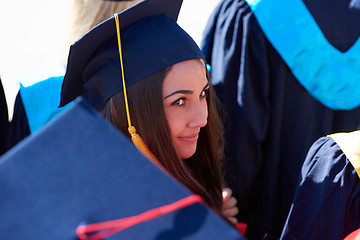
x=136 y=139
x=139 y=144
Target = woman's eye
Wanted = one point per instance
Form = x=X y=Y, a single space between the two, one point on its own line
x=204 y=93
x=180 y=102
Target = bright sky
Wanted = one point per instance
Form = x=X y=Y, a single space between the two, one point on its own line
x=32 y=35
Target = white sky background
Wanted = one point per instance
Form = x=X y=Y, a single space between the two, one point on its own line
x=32 y=35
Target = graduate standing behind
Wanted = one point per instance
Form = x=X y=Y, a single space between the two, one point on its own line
x=4 y=120
x=148 y=77
x=287 y=73
x=327 y=199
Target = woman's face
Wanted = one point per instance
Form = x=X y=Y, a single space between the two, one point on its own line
x=185 y=89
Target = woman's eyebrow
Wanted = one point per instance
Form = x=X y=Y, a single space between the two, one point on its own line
x=185 y=91
x=179 y=91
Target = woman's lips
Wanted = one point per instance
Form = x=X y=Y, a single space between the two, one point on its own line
x=190 y=138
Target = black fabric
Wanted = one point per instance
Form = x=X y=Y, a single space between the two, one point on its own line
x=272 y=120
x=342 y=28
x=19 y=126
x=4 y=122
x=327 y=203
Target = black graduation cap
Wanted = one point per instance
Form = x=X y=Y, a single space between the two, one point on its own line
x=151 y=40
x=79 y=170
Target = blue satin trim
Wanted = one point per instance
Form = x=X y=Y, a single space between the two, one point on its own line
x=40 y=95
x=208 y=67
x=327 y=74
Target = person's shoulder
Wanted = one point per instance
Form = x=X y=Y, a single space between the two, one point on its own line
x=349 y=143
x=229 y=13
x=323 y=157
x=330 y=155
x=322 y=145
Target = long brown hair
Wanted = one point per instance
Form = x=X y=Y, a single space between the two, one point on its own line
x=202 y=173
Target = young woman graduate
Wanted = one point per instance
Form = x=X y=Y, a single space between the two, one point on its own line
x=140 y=69
x=327 y=199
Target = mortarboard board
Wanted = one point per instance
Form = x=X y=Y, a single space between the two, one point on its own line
x=80 y=170
x=151 y=40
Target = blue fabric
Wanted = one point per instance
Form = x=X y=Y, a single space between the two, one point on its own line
x=151 y=40
x=79 y=170
x=271 y=120
x=329 y=75
x=326 y=203
x=208 y=67
x=41 y=97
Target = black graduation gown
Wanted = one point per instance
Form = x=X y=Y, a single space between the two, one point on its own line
x=270 y=130
x=327 y=199
x=36 y=103
x=19 y=126
x=4 y=122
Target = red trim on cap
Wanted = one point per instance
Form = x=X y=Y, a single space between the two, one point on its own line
x=104 y=229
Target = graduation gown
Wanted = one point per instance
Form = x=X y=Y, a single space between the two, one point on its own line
x=4 y=122
x=272 y=119
x=327 y=199
x=19 y=126
x=36 y=103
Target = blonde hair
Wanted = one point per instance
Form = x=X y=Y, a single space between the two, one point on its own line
x=86 y=14
x=89 y=13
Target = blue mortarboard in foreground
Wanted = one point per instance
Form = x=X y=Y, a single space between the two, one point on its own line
x=80 y=170
x=151 y=40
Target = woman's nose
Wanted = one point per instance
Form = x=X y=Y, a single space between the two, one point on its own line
x=199 y=115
